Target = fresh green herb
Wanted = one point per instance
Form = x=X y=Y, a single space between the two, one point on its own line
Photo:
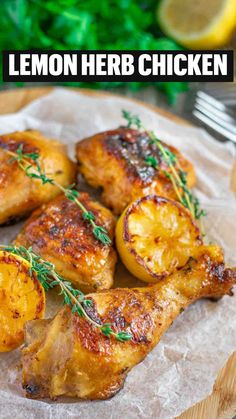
x=34 y=171
x=132 y=119
x=151 y=161
x=83 y=25
x=175 y=174
x=49 y=278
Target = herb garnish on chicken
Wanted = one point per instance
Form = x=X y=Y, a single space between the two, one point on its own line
x=67 y=356
x=49 y=278
x=29 y=164
x=176 y=174
x=121 y=162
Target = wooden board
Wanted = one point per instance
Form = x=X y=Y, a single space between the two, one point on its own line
x=221 y=404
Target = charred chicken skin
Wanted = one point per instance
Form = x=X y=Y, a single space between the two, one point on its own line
x=117 y=161
x=59 y=234
x=68 y=356
x=19 y=194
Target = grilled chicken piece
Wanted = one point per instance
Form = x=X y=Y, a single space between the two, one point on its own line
x=116 y=161
x=58 y=233
x=71 y=357
x=20 y=194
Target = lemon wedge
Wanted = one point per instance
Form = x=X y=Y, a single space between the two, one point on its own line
x=198 y=24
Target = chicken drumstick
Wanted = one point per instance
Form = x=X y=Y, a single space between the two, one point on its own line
x=69 y=356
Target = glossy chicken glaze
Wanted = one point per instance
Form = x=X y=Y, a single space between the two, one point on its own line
x=58 y=233
x=19 y=194
x=116 y=161
x=68 y=356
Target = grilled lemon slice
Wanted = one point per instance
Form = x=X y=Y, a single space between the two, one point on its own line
x=22 y=298
x=155 y=236
x=197 y=24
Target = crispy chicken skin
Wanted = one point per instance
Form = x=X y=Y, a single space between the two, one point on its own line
x=58 y=233
x=18 y=193
x=69 y=356
x=115 y=161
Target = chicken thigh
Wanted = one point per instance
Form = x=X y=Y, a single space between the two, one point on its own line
x=19 y=194
x=116 y=161
x=59 y=234
x=69 y=356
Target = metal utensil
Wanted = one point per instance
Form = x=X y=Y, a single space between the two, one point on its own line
x=214 y=108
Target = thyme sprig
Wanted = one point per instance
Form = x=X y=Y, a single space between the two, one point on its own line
x=176 y=175
x=29 y=164
x=49 y=278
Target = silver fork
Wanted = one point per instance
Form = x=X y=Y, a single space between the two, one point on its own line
x=217 y=113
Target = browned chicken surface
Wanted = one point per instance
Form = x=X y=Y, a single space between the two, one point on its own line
x=20 y=194
x=58 y=233
x=69 y=356
x=117 y=161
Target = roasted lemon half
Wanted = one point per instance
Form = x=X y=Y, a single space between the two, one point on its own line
x=22 y=298
x=155 y=236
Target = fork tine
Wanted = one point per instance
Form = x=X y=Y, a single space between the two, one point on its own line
x=228 y=97
x=215 y=114
x=211 y=100
x=220 y=122
x=214 y=125
x=219 y=114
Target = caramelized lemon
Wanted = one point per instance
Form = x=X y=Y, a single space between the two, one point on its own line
x=22 y=298
x=197 y=24
x=155 y=236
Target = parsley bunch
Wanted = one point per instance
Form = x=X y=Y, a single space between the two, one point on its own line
x=87 y=25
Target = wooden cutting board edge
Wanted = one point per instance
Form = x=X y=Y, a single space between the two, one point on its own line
x=221 y=404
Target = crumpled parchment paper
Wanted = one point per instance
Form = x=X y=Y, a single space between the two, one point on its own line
x=182 y=369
